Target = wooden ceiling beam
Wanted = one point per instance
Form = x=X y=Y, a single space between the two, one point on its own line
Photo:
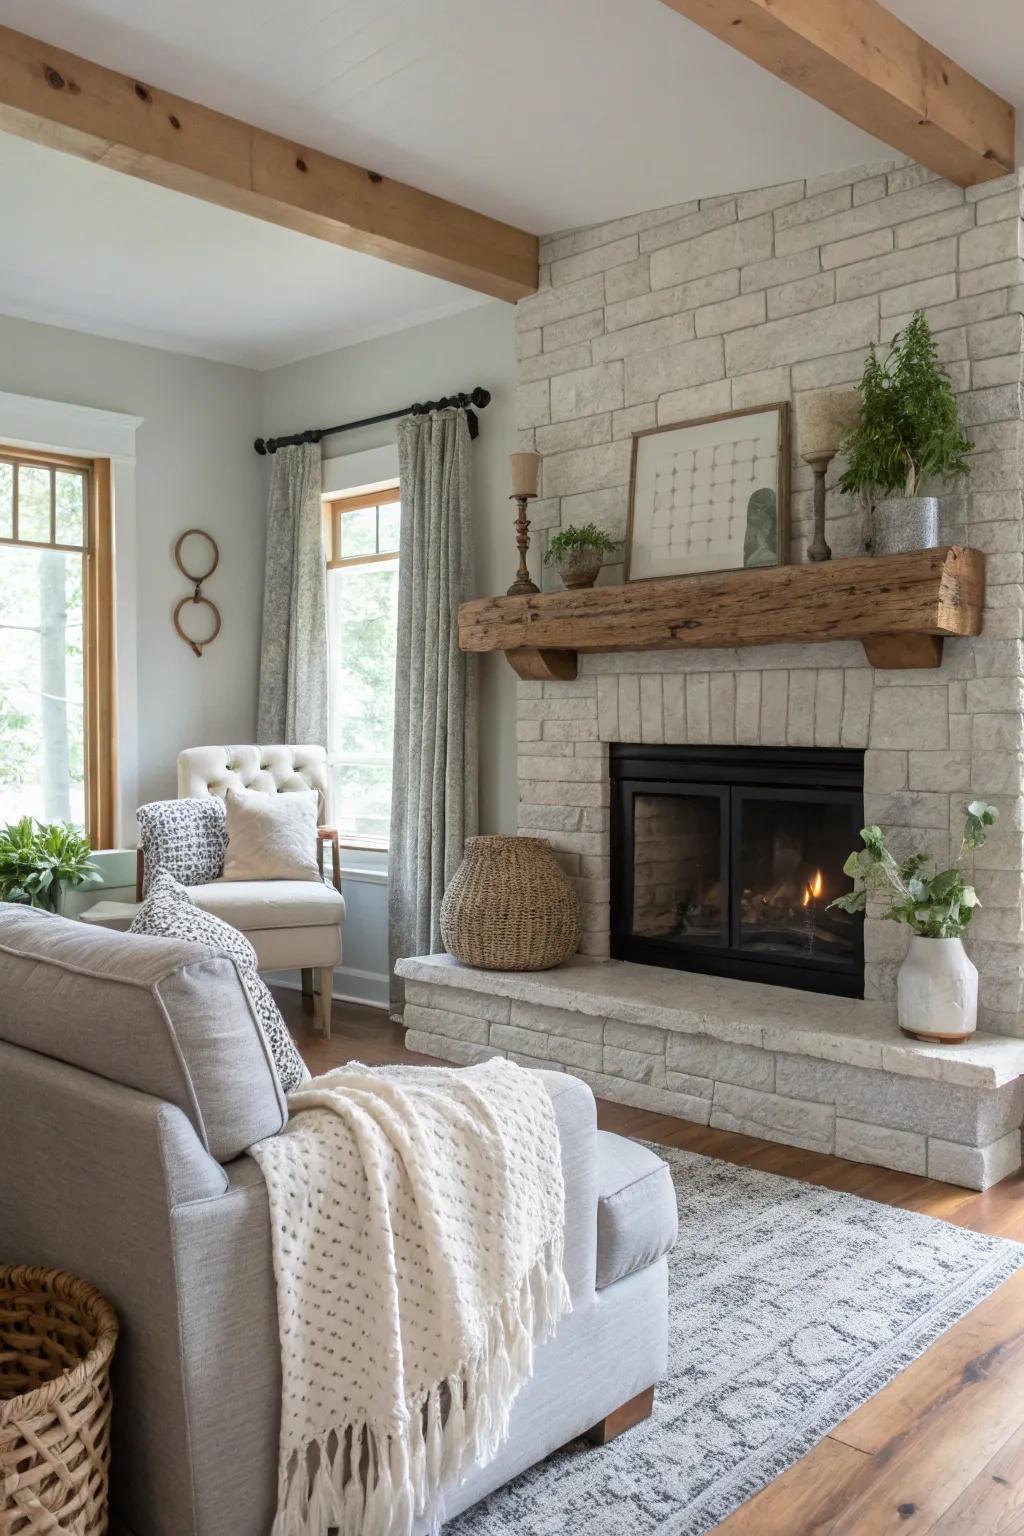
x=71 y=104
x=866 y=65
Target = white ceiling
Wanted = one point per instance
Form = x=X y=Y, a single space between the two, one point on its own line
x=93 y=250
x=548 y=113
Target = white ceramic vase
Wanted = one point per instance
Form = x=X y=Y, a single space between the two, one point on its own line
x=937 y=991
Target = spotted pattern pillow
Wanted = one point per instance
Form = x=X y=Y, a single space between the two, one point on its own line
x=187 y=838
x=168 y=912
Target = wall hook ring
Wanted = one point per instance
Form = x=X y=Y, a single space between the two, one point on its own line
x=196 y=597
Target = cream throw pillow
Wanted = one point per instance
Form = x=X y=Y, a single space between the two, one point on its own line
x=271 y=837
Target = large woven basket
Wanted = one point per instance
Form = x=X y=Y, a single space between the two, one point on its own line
x=510 y=907
x=57 y=1335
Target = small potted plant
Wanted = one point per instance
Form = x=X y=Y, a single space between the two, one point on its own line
x=937 y=987
x=908 y=433
x=38 y=861
x=578 y=553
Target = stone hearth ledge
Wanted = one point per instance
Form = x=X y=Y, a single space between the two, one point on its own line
x=780 y=1019
x=828 y=1074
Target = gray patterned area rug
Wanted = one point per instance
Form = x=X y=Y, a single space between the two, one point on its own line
x=789 y=1305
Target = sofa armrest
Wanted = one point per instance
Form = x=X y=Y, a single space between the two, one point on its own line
x=576 y=1115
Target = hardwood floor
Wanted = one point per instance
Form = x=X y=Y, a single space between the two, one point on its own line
x=941 y=1449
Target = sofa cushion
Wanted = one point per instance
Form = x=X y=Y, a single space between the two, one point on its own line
x=187 y=838
x=255 y=904
x=168 y=912
x=169 y=1018
x=637 y=1220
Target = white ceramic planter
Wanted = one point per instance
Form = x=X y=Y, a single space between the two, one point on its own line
x=937 y=991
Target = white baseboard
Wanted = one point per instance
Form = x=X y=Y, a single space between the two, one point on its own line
x=368 y=988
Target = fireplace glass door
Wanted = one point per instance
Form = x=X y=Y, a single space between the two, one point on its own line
x=726 y=860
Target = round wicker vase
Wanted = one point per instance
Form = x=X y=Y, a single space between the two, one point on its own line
x=510 y=907
x=57 y=1335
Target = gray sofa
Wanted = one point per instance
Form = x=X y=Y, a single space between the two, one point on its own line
x=132 y=1079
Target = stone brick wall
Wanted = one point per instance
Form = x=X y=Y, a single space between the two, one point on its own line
x=832 y=1082
x=741 y=301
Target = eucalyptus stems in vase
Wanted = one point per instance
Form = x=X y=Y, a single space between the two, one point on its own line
x=937 y=986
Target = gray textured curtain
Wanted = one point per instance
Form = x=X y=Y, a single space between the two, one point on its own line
x=293 y=651
x=434 y=803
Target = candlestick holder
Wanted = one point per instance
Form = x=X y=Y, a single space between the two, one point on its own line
x=819 y=549
x=523 y=584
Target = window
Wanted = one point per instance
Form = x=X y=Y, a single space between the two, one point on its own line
x=57 y=727
x=362 y=611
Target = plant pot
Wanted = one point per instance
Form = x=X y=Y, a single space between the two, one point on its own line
x=904 y=523
x=579 y=567
x=510 y=907
x=937 y=991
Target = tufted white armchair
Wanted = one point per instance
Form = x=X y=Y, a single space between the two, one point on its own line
x=291 y=924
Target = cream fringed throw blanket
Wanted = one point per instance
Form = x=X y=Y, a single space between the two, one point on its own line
x=418 y=1221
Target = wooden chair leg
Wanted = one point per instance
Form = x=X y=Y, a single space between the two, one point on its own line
x=616 y=1423
x=324 y=998
x=307 y=981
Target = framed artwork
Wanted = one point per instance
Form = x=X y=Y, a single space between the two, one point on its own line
x=710 y=495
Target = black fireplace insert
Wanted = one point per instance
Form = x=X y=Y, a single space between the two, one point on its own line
x=725 y=859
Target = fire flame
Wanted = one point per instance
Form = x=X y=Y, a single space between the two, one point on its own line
x=814 y=890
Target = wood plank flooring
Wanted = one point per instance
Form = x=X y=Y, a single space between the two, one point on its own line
x=940 y=1450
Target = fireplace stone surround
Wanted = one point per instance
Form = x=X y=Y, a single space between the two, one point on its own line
x=833 y=1075
x=826 y=1073
x=728 y=303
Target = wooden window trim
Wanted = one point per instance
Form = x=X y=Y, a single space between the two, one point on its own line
x=335 y=509
x=100 y=683
x=100 y=663
x=365 y=844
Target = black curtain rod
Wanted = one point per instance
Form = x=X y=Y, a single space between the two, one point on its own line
x=477 y=397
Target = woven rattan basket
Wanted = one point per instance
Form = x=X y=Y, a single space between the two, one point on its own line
x=510 y=907
x=57 y=1335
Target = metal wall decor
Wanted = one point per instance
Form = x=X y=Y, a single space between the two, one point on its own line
x=196 y=596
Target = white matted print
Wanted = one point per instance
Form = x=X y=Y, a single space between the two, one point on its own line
x=710 y=495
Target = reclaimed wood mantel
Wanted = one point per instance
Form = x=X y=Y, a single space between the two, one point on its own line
x=900 y=606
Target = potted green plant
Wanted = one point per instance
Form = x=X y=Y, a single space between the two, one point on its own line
x=578 y=553
x=37 y=861
x=909 y=432
x=937 y=987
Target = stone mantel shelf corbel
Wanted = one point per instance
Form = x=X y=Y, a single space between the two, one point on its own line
x=901 y=607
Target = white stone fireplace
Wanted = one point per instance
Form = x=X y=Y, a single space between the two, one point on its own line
x=732 y=303
x=826 y=1073
x=911 y=726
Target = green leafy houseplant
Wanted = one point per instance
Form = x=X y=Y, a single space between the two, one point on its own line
x=36 y=860
x=578 y=553
x=570 y=539
x=934 y=906
x=909 y=430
